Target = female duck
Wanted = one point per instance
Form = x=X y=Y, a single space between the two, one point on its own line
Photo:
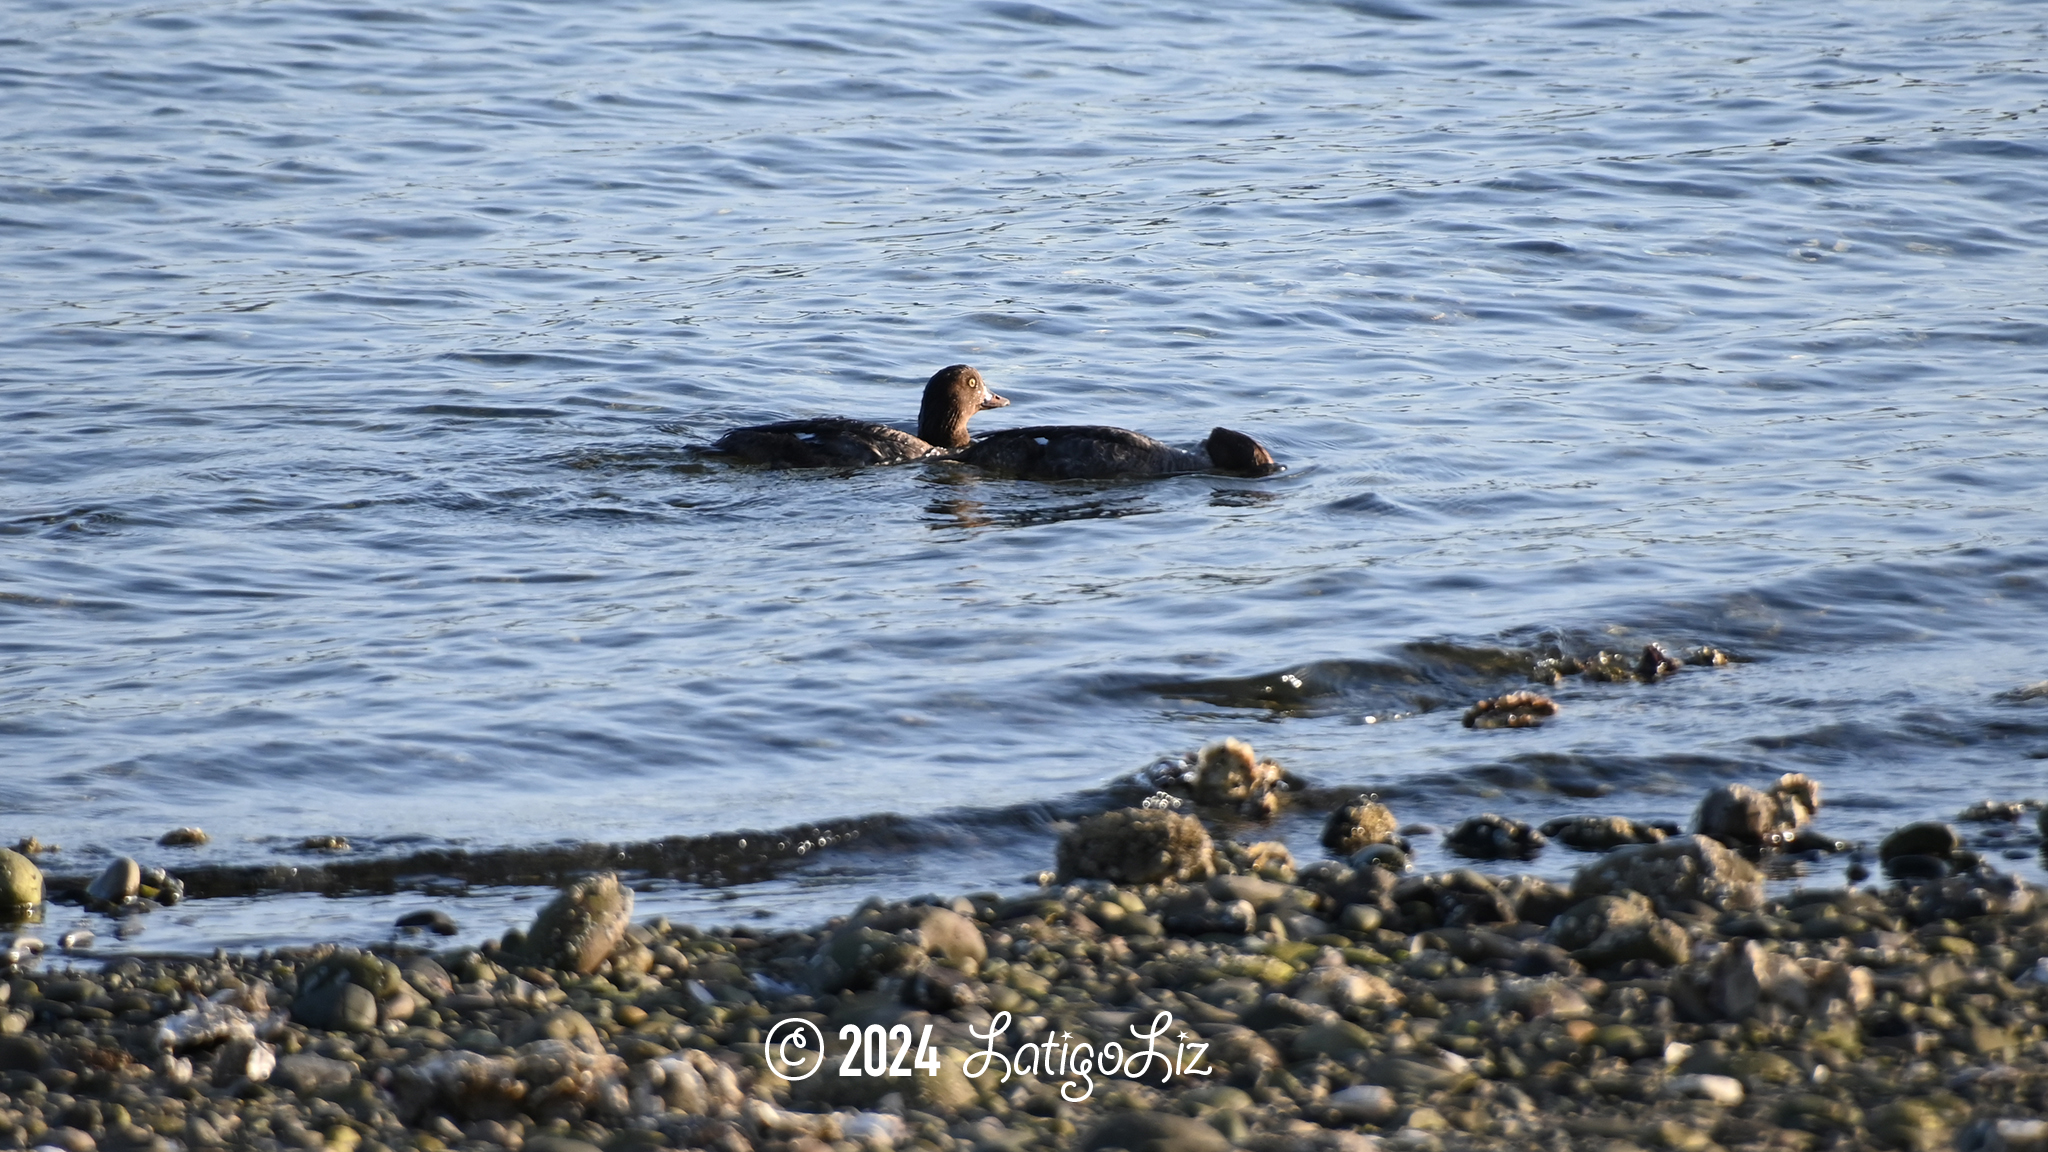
x=1090 y=452
x=951 y=397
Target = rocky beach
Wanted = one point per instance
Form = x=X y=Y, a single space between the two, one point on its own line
x=1176 y=984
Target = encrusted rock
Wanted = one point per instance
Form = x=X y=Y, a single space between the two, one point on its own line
x=1656 y=662
x=1360 y=824
x=1494 y=837
x=1228 y=774
x=582 y=925
x=1137 y=846
x=1514 y=710
x=21 y=882
x=1740 y=815
x=1996 y=811
x=1599 y=833
x=1674 y=873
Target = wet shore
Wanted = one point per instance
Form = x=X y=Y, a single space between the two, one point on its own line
x=1167 y=989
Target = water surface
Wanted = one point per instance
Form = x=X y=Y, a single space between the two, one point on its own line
x=355 y=360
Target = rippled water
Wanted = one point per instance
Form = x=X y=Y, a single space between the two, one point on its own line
x=354 y=358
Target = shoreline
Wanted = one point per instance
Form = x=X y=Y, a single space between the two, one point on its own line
x=1660 y=1002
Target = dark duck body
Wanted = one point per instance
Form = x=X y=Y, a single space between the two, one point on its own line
x=1092 y=452
x=951 y=397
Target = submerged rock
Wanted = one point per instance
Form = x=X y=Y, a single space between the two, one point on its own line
x=1494 y=837
x=582 y=925
x=1137 y=846
x=1739 y=815
x=1514 y=710
x=1599 y=833
x=184 y=838
x=1359 y=824
x=1996 y=811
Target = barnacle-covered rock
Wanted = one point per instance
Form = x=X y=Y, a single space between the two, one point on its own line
x=1362 y=822
x=1740 y=815
x=582 y=925
x=1137 y=846
x=1229 y=774
x=1673 y=873
x=1514 y=710
x=1656 y=662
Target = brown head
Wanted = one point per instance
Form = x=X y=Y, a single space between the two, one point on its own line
x=953 y=395
x=1236 y=452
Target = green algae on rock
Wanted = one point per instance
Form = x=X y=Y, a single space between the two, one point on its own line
x=21 y=882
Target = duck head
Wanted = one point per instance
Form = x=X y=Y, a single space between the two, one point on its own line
x=953 y=395
x=1236 y=452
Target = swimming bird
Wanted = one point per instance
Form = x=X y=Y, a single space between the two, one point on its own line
x=1092 y=452
x=953 y=395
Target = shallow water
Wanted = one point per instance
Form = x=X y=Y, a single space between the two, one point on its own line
x=354 y=358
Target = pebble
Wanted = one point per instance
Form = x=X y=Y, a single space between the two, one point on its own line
x=1906 y=1016
x=184 y=838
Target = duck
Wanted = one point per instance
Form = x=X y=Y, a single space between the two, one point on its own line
x=951 y=397
x=1094 y=452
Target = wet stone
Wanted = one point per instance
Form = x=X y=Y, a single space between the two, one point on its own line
x=1924 y=838
x=184 y=838
x=118 y=884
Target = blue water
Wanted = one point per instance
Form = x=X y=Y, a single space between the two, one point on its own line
x=355 y=357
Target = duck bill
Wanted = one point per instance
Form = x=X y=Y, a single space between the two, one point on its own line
x=991 y=400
